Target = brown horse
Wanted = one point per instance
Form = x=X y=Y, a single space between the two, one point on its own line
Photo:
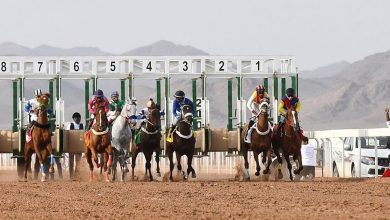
x=150 y=142
x=289 y=142
x=260 y=140
x=97 y=140
x=183 y=143
x=40 y=143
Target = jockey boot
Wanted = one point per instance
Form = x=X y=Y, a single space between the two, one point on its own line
x=249 y=132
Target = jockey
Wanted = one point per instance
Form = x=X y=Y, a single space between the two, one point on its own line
x=31 y=107
x=116 y=106
x=144 y=113
x=253 y=106
x=179 y=101
x=98 y=96
x=289 y=100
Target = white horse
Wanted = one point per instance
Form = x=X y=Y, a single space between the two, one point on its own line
x=121 y=138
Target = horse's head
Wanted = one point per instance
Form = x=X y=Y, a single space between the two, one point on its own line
x=263 y=107
x=43 y=102
x=100 y=114
x=154 y=118
x=187 y=113
x=292 y=118
x=129 y=109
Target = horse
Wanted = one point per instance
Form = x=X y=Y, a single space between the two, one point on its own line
x=183 y=143
x=150 y=141
x=260 y=140
x=121 y=136
x=40 y=144
x=97 y=140
x=289 y=142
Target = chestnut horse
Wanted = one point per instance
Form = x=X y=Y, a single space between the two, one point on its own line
x=40 y=143
x=97 y=140
x=260 y=140
x=150 y=142
x=183 y=143
x=289 y=142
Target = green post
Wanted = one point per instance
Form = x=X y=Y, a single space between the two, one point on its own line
x=230 y=105
x=130 y=87
x=15 y=105
x=158 y=87
x=294 y=83
x=194 y=125
x=86 y=99
x=51 y=117
x=276 y=88
x=283 y=87
x=123 y=90
x=238 y=88
x=167 y=113
x=94 y=84
x=297 y=89
x=266 y=84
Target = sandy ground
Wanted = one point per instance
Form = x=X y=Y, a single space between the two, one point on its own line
x=201 y=198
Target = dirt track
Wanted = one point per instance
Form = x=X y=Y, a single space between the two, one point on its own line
x=321 y=199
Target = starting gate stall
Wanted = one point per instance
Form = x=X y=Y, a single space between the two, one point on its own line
x=129 y=69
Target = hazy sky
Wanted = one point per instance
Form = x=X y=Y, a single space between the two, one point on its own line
x=316 y=32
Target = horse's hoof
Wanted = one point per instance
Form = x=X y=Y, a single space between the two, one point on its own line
x=248 y=178
x=193 y=175
x=265 y=171
x=280 y=175
x=296 y=172
x=170 y=179
x=43 y=179
x=257 y=173
x=158 y=174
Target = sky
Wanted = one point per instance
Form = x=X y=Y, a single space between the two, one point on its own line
x=316 y=32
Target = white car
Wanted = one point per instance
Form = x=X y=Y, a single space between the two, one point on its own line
x=359 y=157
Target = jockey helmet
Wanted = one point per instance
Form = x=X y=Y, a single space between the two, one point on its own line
x=115 y=94
x=133 y=99
x=76 y=115
x=150 y=104
x=99 y=93
x=179 y=94
x=290 y=92
x=260 y=89
x=38 y=92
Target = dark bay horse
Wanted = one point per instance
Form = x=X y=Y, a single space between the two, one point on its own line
x=289 y=142
x=150 y=142
x=183 y=143
x=260 y=140
x=40 y=143
x=97 y=140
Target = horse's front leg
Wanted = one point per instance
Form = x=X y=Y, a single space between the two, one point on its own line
x=289 y=166
x=94 y=156
x=40 y=159
x=158 y=153
x=190 y=169
x=88 y=156
x=171 y=165
x=299 y=164
x=269 y=158
x=279 y=159
x=114 y=164
x=246 y=163
x=148 y=165
x=27 y=156
x=133 y=160
x=179 y=168
x=256 y=155
x=105 y=166
x=52 y=160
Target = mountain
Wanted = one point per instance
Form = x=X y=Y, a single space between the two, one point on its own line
x=13 y=49
x=165 y=48
x=325 y=71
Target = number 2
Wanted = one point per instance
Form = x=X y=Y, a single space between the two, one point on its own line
x=222 y=65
